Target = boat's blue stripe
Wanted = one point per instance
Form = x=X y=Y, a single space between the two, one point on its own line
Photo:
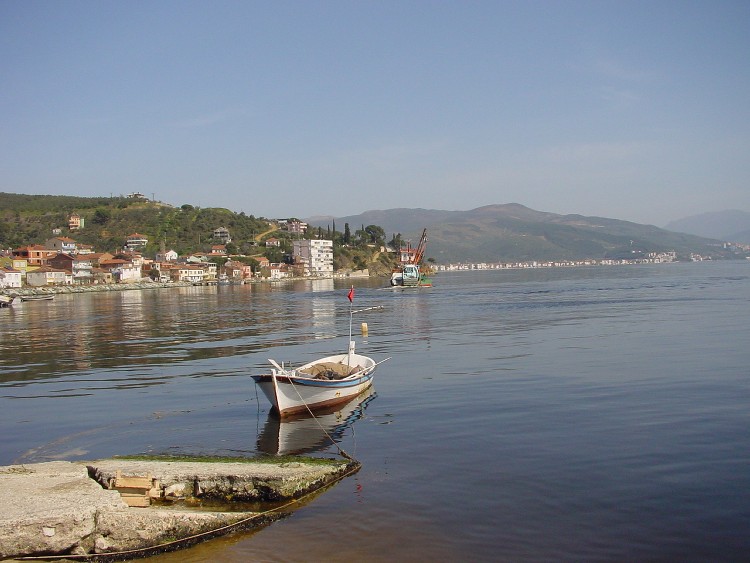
x=329 y=383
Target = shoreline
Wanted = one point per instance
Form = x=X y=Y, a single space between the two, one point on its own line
x=142 y=285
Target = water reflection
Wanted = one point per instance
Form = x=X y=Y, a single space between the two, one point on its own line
x=140 y=330
x=303 y=434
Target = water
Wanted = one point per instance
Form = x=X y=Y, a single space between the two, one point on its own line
x=563 y=414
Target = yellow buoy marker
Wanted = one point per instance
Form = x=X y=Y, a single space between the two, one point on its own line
x=364 y=329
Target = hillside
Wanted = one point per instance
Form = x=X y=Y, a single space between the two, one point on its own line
x=32 y=219
x=513 y=232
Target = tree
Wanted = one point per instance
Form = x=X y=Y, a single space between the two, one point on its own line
x=375 y=234
x=101 y=216
x=347 y=234
x=273 y=254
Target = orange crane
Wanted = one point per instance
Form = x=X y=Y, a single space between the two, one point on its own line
x=421 y=247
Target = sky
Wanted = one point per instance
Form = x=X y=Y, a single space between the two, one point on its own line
x=627 y=109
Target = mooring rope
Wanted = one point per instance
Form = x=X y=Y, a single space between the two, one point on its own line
x=341 y=451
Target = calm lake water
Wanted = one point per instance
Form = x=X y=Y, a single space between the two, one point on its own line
x=595 y=413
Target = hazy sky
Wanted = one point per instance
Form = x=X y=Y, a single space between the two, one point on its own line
x=631 y=110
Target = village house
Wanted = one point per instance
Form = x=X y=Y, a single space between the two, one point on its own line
x=85 y=249
x=164 y=270
x=98 y=257
x=293 y=226
x=134 y=257
x=188 y=273
x=222 y=234
x=273 y=242
x=10 y=277
x=102 y=276
x=152 y=266
x=14 y=263
x=262 y=261
x=45 y=276
x=211 y=270
x=234 y=270
x=123 y=271
x=278 y=271
x=75 y=222
x=219 y=250
x=204 y=262
x=79 y=266
x=167 y=256
x=61 y=244
x=146 y=265
x=136 y=241
x=34 y=254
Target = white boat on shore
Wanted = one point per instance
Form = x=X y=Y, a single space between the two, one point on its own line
x=6 y=300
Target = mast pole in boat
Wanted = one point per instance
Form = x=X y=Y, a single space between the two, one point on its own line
x=351 y=313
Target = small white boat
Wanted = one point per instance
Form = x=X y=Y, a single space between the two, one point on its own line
x=6 y=301
x=37 y=297
x=323 y=383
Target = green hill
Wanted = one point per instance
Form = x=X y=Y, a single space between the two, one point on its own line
x=31 y=219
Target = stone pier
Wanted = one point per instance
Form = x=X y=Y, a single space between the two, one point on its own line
x=67 y=508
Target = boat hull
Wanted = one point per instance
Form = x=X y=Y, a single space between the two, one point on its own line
x=292 y=395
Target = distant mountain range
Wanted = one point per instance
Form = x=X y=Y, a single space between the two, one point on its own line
x=512 y=232
x=731 y=225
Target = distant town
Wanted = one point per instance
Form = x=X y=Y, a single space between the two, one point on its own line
x=62 y=261
x=652 y=258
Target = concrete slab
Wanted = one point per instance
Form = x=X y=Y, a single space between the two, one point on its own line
x=64 y=508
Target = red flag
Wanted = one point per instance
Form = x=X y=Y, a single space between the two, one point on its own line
x=351 y=295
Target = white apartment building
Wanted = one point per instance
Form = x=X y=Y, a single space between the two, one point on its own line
x=316 y=256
